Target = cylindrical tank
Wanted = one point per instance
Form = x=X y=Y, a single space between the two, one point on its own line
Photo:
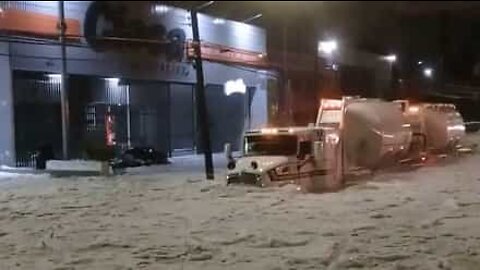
x=444 y=126
x=374 y=131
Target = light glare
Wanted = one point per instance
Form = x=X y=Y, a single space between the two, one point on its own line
x=218 y=21
x=327 y=47
x=391 y=58
x=235 y=86
x=428 y=72
x=162 y=9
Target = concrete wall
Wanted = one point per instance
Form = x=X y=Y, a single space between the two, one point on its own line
x=7 y=143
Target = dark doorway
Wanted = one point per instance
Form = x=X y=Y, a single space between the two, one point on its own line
x=149 y=109
x=182 y=131
x=37 y=115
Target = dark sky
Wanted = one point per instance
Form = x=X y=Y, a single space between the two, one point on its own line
x=434 y=32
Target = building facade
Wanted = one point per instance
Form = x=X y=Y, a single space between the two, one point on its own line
x=131 y=79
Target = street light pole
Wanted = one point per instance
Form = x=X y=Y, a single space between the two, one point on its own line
x=391 y=59
x=328 y=48
x=63 y=84
x=200 y=99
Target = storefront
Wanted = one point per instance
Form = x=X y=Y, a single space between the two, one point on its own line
x=126 y=93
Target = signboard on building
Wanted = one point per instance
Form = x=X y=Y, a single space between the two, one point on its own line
x=21 y=22
x=111 y=26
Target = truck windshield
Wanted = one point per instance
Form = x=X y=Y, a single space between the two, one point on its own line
x=270 y=145
x=331 y=116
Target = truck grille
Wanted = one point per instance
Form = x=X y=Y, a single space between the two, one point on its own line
x=244 y=178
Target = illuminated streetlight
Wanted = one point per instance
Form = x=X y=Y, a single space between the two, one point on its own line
x=419 y=63
x=428 y=72
x=390 y=58
x=327 y=47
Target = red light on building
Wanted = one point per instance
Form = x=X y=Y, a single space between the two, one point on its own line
x=109 y=130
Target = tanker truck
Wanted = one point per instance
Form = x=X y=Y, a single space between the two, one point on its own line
x=349 y=134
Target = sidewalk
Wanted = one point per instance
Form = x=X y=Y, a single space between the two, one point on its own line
x=192 y=165
x=22 y=170
x=189 y=166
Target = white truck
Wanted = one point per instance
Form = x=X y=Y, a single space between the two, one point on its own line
x=308 y=156
x=349 y=134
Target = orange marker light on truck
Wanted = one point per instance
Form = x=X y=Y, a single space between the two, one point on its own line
x=413 y=109
x=269 y=130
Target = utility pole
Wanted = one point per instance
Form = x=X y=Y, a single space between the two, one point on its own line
x=444 y=43
x=63 y=84
x=286 y=79
x=200 y=99
x=129 y=122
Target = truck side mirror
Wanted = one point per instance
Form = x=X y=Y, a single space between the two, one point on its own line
x=227 y=149
x=304 y=149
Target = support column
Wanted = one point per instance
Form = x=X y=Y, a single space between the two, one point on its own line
x=7 y=124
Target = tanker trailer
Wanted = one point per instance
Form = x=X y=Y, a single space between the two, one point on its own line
x=441 y=125
x=374 y=132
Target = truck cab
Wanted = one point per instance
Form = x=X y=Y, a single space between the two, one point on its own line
x=279 y=156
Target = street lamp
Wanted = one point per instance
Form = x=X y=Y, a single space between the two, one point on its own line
x=428 y=72
x=327 y=47
x=391 y=58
